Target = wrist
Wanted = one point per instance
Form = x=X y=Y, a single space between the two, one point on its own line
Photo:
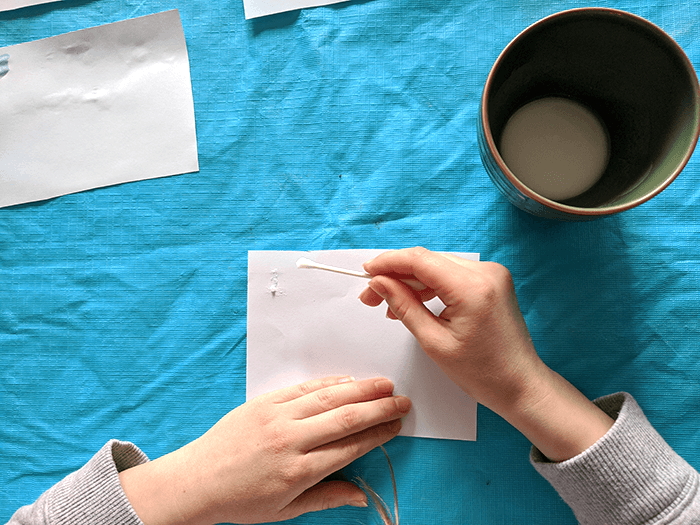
x=556 y=417
x=160 y=493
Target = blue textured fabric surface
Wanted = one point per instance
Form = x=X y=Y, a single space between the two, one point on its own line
x=123 y=309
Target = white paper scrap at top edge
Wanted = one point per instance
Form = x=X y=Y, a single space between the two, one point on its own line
x=258 y=8
x=9 y=5
x=96 y=107
x=305 y=324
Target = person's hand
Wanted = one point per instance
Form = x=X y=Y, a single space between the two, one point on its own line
x=480 y=339
x=263 y=461
x=481 y=342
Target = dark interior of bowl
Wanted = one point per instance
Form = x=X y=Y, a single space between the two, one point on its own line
x=632 y=75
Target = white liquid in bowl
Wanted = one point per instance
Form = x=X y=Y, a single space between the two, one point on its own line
x=556 y=147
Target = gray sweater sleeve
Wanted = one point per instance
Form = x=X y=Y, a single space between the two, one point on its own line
x=630 y=476
x=91 y=495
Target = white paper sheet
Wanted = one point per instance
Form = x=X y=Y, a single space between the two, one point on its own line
x=256 y=8
x=96 y=107
x=305 y=324
x=9 y=5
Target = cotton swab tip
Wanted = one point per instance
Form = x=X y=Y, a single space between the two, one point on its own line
x=305 y=263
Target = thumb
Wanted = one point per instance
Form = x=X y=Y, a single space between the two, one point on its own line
x=325 y=495
x=408 y=309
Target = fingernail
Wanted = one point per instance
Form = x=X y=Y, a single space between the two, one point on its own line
x=346 y=379
x=357 y=503
x=384 y=386
x=403 y=404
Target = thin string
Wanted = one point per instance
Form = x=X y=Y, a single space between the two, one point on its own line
x=379 y=504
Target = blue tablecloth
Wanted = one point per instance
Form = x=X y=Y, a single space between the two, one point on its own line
x=123 y=309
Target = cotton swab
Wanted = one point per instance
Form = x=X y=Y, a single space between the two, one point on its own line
x=303 y=262
x=308 y=263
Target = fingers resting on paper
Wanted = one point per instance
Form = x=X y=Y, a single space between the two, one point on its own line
x=265 y=460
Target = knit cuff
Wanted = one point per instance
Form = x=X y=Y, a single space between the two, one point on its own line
x=93 y=494
x=630 y=475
